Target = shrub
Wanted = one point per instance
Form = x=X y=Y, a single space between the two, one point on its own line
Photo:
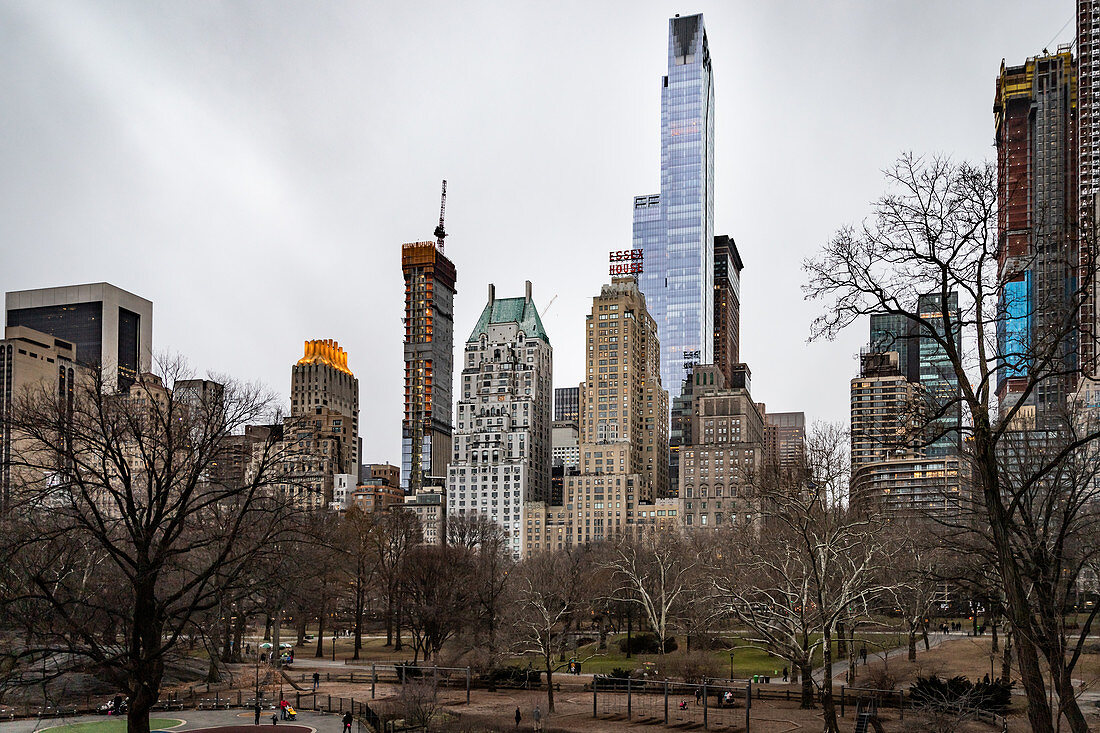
x=691 y=667
x=646 y=644
x=878 y=678
x=957 y=692
x=513 y=676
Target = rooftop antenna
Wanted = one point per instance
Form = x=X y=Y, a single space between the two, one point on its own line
x=440 y=233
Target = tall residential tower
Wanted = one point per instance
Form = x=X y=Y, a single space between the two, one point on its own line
x=675 y=228
x=1037 y=221
x=502 y=438
x=429 y=343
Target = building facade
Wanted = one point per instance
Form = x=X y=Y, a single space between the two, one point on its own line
x=429 y=364
x=785 y=439
x=321 y=381
x=29 y=360
x=567 y=404
x=111 y=329
x=913 y=487
x=727 y=304
x=1088 y=164
x=502 y=441
x=721 y=464
x=887 y=411
x=623 y=430
x=675 y=228
x=1039 y=257
x=565 y=445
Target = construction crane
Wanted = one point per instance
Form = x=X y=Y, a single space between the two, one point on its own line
x=440 y=233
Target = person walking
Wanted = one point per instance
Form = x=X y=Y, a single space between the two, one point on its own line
x=784 y=674
x=518 y=717
x=257 y=710
x=537 y=715
x=316 y=680
x=347 y=722
x=274 y=718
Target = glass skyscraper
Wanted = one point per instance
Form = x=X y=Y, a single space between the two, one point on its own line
x=675 y=229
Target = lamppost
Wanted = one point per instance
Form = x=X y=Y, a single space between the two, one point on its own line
x=334 y=647
x=731 y=666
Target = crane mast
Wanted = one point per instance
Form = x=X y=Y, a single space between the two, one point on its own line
x=440 y=232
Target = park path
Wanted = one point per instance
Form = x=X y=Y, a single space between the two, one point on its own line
x=839 y=668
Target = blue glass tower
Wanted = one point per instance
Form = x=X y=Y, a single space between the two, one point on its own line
x=675 y=229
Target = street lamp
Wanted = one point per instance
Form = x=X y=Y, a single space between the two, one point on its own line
x=731 y=666
x=334 y=647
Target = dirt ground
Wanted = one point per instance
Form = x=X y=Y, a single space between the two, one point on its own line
x=495 y=711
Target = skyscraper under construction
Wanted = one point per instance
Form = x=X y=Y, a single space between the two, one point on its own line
x=1035 y=110
x=429 y=355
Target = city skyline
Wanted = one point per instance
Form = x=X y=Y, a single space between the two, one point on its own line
x=129 y=164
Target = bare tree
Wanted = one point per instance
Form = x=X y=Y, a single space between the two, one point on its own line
x=656 y=572
x=817 y=563
x=936 y=232
x=436 y=595
x=551 y=590
x=361 y=564
x=121 y=536
x=394 y=534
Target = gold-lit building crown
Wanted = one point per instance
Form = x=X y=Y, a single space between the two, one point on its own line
x=326 y=351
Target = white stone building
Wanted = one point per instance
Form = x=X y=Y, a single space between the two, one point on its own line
x=502 y=435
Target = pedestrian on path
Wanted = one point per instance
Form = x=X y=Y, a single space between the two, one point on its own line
x=784 y=674
x=537 y=715
x=316 y=680
x=518 y=717
x=274 y=718
x=257 y=713
x=347 y=722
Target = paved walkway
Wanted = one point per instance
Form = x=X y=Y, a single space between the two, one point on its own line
x=841 y=667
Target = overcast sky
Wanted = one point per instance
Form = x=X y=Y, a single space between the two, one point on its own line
x=253 y=167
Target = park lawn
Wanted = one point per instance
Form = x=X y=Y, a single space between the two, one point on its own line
x=113 y=725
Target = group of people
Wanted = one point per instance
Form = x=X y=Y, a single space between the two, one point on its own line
x=947 y=628
x=536 y=715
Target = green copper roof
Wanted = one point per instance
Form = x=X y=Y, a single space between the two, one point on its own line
x=511 y=310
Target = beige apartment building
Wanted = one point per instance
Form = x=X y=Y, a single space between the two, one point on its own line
x=29 y=360
x=321 y=384
x=719 y=467
x=623 y=461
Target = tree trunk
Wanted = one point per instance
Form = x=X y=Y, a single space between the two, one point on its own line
x=1067 y=701
x=389 y=619
x=993 y=629
x=238 y=638
x=397 y=630
x=924 y=636
x=831 y=725
x=807 y=701
x=358 y=644
x=912 y=644
x=1006 y=659
x=320 y=634
x=549 y=686
x=1018 y=605
x=840 y=640
x=212 y=671
x=227 y=640
x=146 y=660
x=300 y=628
x=629 y=628
x=267 y=628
